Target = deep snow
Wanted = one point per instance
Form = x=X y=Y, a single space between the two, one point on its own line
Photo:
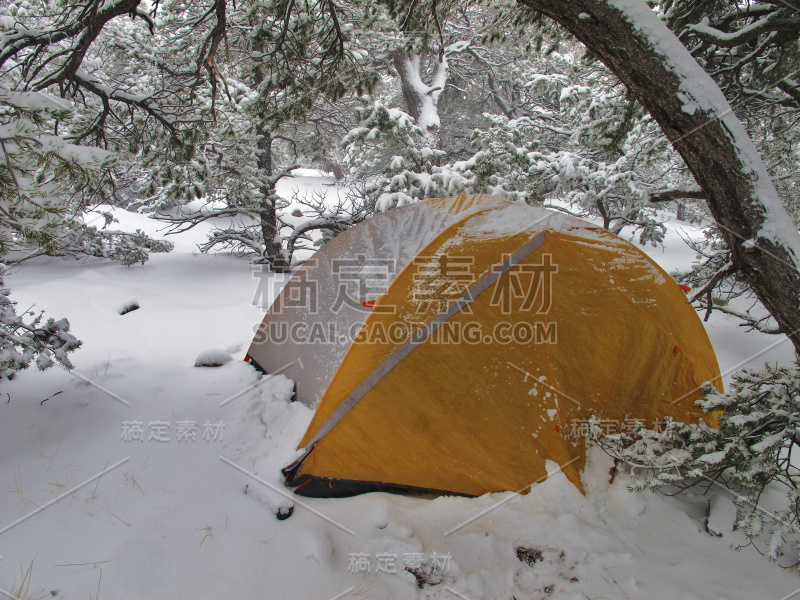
x=196 y=517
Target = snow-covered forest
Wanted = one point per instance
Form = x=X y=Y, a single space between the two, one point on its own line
x=168 y=165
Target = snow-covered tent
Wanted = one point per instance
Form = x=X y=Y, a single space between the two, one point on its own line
x=457 y=344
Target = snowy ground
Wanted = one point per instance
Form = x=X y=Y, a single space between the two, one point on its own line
x=197 y=518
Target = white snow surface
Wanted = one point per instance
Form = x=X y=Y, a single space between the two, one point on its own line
x=196 y=519
x=721 y=515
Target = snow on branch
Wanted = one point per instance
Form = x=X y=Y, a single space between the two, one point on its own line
x=775 y=22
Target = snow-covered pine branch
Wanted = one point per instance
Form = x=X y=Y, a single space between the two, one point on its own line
x=35 y=340
x=750 y=452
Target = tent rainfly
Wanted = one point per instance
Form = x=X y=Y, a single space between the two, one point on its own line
x=457 y=344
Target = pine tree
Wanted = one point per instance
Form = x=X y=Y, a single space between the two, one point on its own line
x=285 y=63
x=39 y=341
x=751 y=450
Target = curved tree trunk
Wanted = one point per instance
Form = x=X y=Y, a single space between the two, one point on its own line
x=693 y=113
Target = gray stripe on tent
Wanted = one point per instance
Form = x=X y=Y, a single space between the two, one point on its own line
x=422 y=334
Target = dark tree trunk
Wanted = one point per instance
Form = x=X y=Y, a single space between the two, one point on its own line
x=269 y=213
x=733 y=191
x=411 y=95
x=334 y=167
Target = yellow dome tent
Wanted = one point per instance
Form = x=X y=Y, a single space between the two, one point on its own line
x=456 y=344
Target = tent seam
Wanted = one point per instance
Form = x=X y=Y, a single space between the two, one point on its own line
x=406 y=348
